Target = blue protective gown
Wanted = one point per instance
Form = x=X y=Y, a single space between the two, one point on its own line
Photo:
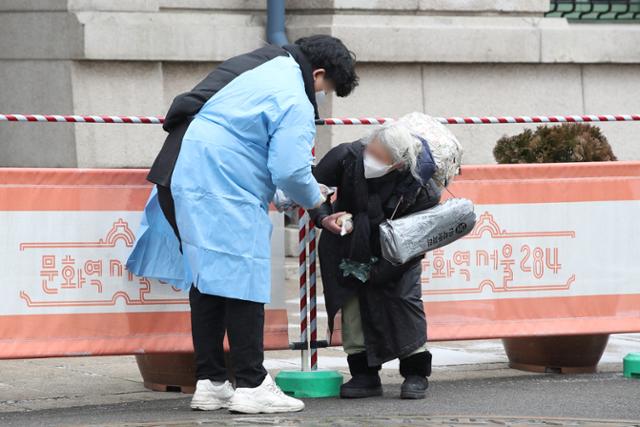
x=256 y=133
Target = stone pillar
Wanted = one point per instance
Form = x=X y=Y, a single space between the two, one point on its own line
x=108 y=57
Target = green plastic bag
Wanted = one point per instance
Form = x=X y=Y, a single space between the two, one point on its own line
x=359 y=270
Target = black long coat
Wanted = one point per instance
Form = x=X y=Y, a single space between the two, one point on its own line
x=392 y=311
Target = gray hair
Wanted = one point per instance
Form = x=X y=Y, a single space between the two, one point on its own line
x=402 y=145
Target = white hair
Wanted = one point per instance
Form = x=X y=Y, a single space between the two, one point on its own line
x=403 y=147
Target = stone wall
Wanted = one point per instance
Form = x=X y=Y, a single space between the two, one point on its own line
x=443 y=57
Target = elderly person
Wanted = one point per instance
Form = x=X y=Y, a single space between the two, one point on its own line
x=387 y=174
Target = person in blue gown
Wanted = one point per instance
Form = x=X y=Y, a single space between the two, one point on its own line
x=243 y=131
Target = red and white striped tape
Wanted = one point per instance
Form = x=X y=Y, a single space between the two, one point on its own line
x=55 y=118
x=41 y=118
x=492 y=119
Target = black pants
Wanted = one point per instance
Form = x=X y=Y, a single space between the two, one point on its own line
x=212 y=316
x=244 y=324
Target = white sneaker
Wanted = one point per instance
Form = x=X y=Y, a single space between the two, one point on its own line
x=267 y=398
x=210 y=396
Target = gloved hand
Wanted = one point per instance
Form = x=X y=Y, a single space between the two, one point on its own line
x=326 y=191
x=283 y=203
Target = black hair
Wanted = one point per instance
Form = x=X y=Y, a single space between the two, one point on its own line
x=333 y=56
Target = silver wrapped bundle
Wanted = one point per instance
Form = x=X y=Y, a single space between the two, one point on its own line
x=416 y=234
x=282 y=202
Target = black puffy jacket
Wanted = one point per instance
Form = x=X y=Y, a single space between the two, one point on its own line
x=185 y=106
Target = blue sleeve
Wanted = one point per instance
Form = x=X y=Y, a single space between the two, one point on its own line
x=290 y=156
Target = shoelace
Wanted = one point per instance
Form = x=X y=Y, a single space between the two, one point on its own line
x=276 y=390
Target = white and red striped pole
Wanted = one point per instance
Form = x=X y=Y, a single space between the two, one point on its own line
x=313 y=327
x=302 y=272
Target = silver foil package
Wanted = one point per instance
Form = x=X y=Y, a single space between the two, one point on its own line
x=282 y=202
x=413 y=235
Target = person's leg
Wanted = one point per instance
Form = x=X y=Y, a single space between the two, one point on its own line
x=352 y=335
x=365 y=381
x=207 y=330
x=245 y=330
x=415 y=368
x=256 y=392
x=213 y=391
x=165 y=200
x=421 y=349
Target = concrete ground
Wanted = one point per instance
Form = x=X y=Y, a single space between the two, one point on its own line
x=471 y=385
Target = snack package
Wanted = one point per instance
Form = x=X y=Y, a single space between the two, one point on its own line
x=346 y=224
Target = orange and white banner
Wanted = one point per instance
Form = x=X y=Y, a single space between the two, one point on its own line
x=556 y=250
x=65 y=235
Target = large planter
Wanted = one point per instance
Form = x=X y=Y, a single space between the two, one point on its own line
x=173 y=371
x=556 y=354
x=168 y=372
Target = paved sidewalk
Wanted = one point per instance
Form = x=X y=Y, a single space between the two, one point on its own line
x=495 y=397
x=469 y=379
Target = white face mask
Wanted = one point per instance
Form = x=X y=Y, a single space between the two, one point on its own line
x=374 y=168
x=320 y=97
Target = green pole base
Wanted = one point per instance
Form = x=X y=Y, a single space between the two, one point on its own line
x=310 y=383
x=631 y=365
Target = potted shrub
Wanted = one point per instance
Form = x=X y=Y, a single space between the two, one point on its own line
x=566 y=143
x=555 y=144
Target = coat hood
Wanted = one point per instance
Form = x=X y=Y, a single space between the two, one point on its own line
x=426 y=164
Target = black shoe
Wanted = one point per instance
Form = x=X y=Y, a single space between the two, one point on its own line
x=415 y=369
x=361 y=386
x=414 y=387
x=365 y=381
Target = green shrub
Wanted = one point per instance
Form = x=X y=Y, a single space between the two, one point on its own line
x=570 y=142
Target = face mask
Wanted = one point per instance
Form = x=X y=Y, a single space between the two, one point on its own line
x=374 y=168
x=320 y=97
